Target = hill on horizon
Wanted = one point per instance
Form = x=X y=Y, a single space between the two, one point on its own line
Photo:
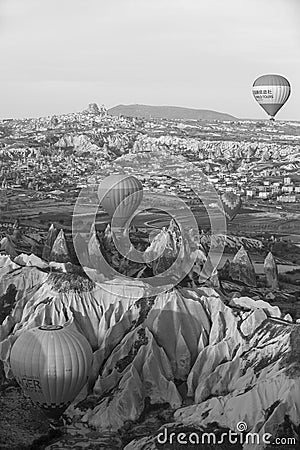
x=168 y=112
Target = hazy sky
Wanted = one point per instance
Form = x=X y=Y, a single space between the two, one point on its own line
x=59 y=55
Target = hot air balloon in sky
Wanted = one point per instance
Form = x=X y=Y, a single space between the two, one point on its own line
x=51 y=363
x=271 y=92
x=123 y=190
x=231 y=203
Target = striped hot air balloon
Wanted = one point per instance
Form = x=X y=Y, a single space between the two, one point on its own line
x=271 y=92
x=123 y=190
x=231 y=203
x=51 y=363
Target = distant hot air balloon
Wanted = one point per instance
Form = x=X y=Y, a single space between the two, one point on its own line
x=114 y=190
x=231 y=203
x=271 y=92
x=51 y=363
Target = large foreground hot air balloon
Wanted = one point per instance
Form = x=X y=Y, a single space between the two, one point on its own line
x=231 y=203
x=271 y=92
x=123 y=190
x=51 y=364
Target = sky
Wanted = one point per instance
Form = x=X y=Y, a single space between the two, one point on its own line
x=59 y=55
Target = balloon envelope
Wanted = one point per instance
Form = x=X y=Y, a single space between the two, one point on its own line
x=271 y=92
x=123 y=190
x=51 y=364
x=231 y=204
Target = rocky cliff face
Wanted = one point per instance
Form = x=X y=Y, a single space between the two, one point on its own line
x=81 y=143
x=193 y=353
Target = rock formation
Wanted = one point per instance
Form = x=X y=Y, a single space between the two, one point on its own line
x=241 y=268
x=271 y=272
x=81 y=143
x=186 y=257
x=59 y=252
x=17 y=231
x=50 y=238
x=94 y=253
x=93 y=108
x=7 y=247
x=211 y=362
x=30 y=260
